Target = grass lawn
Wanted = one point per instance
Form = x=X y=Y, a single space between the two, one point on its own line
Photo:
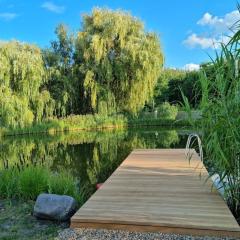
x=17 y=222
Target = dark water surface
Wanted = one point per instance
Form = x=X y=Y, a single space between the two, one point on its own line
x=91 y=156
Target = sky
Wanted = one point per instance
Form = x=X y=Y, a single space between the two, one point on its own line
x=189 y=30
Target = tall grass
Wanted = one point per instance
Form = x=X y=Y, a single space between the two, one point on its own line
x=63 y=183
x=9 y=183
x=29 y=182
x=98 y=122
x=72 y=122
x=220 y=124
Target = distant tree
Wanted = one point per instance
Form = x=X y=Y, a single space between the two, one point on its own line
x=163 y=89
x=117 y=62
x=171 y=81
x=58 y=60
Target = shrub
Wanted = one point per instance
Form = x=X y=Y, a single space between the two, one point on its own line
x=167 y=111
x=30 y=181
x=8 y=183
x=63 y=183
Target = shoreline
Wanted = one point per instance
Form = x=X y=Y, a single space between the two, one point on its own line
x=49 y=130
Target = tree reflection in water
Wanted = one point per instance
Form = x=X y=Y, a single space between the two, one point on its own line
x=91 y=156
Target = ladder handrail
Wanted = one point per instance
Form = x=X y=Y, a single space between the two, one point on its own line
x=187 y=150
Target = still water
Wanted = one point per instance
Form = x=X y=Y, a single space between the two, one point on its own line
x=90 y=156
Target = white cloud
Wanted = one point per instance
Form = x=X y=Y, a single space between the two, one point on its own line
x=218 y=30
x=220 y=25
x=7 y=16
x=195 y=40
x=191 y=67
x=50 y=6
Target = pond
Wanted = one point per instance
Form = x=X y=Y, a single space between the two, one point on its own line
x=90 y=156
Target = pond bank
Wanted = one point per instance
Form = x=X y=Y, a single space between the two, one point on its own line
x=70 y=123
x=91 y=122
x=17 y=222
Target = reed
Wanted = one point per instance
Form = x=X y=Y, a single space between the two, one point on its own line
x=70 y=123
x=220 y=123
x=27 y=183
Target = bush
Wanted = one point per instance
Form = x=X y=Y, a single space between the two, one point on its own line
x=167 y=111
x=29 y=182
x=32 y=181
x=64 y=184
x=8 y=183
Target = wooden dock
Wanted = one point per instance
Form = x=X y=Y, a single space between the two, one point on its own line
x=159 y=190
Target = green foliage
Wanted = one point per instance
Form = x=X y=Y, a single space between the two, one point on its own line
x=111 y=65
x=28 y=182
x=167 y=111
x=188 y=82
x=164 y=88
x=96 y=121
x=8 y=183
x=164 y=115
x=220 y=124
x=188 y=109
x=58 y=60
x=116 y=56
x=70 y=123
x=15 y=110
x=63 y=183
x=150 y=121
x=23 y=69
x=32 y=181
x=21 y=79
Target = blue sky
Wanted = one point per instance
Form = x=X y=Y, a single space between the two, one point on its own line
x=188 y=29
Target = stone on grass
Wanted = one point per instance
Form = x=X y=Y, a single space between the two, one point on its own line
x=54 y=207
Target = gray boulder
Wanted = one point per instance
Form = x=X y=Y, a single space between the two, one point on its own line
x=54 y=207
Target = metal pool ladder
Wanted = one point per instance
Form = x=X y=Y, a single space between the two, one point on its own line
x=187 y=150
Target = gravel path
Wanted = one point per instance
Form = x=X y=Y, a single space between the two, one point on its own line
x=102 y=234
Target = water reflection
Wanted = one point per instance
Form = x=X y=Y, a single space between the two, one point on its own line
x=91 y=156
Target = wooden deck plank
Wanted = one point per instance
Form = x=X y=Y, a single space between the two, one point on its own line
x=159 y=190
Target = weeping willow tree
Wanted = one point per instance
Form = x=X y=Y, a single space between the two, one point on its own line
x=22 y=76
x=118 y=60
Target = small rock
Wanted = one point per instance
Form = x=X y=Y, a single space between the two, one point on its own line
x=54 y=207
